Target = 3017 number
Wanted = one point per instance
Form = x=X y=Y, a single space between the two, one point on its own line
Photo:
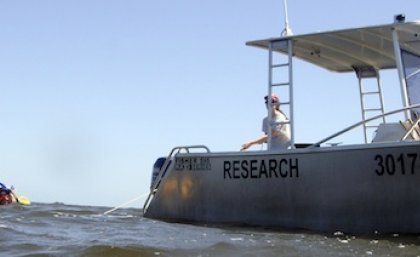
x=389 y=164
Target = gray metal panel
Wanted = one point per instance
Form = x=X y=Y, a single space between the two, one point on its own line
x=351 y=189
x=344 y=49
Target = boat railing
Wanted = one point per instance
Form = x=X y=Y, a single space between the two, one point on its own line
x=412 y=129
x=366 y=121
x=165 y=166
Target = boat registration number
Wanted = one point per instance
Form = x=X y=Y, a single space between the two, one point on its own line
x=389 y=164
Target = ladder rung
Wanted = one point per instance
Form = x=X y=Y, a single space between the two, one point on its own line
x=280 y=122
x=280 y=84
x=370 y=93
x=372 y=109
x=279 y=65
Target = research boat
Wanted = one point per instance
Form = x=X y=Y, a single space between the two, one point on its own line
x=371 y=187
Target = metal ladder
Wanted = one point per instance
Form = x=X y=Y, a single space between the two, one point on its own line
x=369 y=73
x=165 y=167
x=285 y=46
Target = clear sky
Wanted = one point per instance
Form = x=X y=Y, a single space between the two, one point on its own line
x=93 y=91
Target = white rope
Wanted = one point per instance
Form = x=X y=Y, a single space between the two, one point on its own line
x=124 y=204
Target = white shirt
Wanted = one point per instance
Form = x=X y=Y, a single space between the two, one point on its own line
x=280 y=132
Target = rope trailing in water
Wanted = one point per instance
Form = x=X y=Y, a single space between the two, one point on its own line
x=124 y=204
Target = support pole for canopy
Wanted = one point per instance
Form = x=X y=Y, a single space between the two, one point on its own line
x=285 y=45
x=270 y=92
x=291 y=112
x=398 y=61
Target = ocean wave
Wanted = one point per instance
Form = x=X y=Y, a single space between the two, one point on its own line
x=112 y=251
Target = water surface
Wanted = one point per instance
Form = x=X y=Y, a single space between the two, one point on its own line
x=70 y=230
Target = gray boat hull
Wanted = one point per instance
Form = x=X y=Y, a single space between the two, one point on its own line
x=352 y=189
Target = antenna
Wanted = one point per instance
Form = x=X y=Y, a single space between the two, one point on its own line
x=286 y=31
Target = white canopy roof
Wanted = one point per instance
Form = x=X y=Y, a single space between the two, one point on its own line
x=343 y=50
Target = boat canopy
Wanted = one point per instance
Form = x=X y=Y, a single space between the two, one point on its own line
x=350 y=49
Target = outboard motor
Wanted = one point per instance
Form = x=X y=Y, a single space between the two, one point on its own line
x=156 y=169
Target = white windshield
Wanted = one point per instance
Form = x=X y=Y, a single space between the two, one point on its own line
x=411 y=64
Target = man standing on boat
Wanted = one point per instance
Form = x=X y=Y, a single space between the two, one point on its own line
x=280 y=131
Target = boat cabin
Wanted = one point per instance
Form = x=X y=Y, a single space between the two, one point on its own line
x=365 y=51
